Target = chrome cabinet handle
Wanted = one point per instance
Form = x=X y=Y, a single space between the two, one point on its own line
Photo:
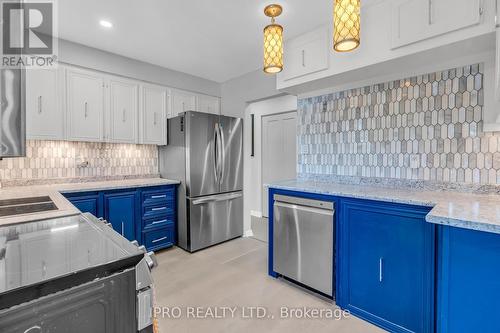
x=158 y=208
x=39 y=104
x=123 y=229
x=44 y=268
x=303 y=58
x=159 y=240
x=497 y=24
x=430 y=12
x=124 y=115
x=86 y=110
x=158 y=196
x=154 y=118
x=158 y=222
x=381 y=269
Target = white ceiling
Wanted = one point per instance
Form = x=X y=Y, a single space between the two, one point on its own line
x=213 y=39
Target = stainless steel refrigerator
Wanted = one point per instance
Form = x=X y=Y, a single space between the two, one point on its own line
x=205 y=152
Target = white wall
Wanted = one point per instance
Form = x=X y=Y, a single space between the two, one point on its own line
x=253 y=165
x=81 y=55
x=238 y=92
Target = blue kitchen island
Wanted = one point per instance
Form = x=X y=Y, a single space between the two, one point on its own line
x=410 y=260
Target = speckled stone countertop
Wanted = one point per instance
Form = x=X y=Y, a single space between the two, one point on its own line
x=463 y=210
x=65 y=207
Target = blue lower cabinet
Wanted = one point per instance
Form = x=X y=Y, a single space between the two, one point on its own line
x=386 y=264
x=120 y=210
x=468 y=281
x=87 y=203
x=147 y=215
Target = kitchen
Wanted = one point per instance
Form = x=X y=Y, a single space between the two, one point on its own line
x=250 y=166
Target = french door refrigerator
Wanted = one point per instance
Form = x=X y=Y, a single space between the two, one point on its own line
x=205 y=152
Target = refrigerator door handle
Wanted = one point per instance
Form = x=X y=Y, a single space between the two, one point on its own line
x=223 y=154
x=215 y=198
x=216 y=153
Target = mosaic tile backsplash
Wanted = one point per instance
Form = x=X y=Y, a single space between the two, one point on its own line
x=427 y=127
x=60 y=159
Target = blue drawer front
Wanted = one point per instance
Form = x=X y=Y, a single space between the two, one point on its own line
x=164 y=196
x=159 y=222
x=159 y=211
x=159 y=238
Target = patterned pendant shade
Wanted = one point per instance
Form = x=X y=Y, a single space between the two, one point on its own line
x=347 y=22
x=273 y=42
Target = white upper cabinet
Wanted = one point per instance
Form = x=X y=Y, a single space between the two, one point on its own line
x=306 y=54
x=409 y=22
x=85 y=105
x=416 y=20
x=209 y=104
x=123 y=110
x=153 y=114
x=44 y=112
x=182 y=101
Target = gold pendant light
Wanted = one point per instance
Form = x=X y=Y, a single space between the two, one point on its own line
x=273 y=42
x=346 y=22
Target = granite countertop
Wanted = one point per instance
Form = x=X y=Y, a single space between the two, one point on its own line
x=65 y=208
x=458 y=209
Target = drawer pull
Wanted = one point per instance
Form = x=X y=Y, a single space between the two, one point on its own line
x=158 y=208
x=158 y=196
x=158 y=222
x=159 y=240
x=381 y=269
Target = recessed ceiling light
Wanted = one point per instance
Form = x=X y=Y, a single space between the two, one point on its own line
x=106 y=24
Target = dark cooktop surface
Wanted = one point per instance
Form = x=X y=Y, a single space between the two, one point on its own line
x=30 y=205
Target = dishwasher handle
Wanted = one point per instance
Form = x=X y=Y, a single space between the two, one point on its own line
x=324 y=211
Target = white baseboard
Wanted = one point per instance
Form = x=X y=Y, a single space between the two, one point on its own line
x=248 y=233
x=256 y=213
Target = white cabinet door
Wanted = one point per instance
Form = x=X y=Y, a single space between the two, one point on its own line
x=44 y=112
x=465 y=13
x=123 y=110
x=306 y=54
x=410 y=21
x=85 y=97
x=153 y=114
x=182 y=101
x=416 y=20
x=208 y=104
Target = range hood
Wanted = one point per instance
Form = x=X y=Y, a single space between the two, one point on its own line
x=12 y=113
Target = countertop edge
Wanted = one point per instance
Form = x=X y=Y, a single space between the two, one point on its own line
x=65 y=207
x=431 y=217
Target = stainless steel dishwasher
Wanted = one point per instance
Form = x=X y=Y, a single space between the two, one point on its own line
x=303 y=241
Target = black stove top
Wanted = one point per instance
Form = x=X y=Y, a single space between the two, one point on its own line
x=42 y=257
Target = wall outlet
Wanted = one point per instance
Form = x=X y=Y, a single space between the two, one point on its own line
x=414 y=161
x=81 y=162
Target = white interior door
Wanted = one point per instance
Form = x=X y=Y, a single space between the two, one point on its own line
x=279 y=151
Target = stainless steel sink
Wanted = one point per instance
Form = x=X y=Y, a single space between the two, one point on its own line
x=30 y=205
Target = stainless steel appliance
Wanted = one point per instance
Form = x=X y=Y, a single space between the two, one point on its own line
x=205 y=152
x=12 y=113
x=303 y=241
x=73 y=274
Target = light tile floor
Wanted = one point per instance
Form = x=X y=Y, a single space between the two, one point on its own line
x=234 y=275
